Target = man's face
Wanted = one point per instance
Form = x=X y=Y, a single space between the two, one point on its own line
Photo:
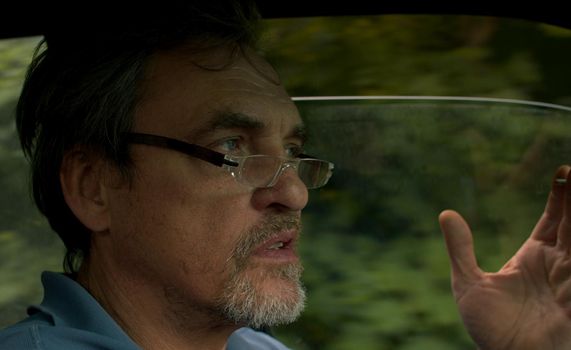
x=186 y=229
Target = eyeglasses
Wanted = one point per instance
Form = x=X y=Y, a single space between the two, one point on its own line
x=259 y=171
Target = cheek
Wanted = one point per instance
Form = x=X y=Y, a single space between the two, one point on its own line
x=180 y=235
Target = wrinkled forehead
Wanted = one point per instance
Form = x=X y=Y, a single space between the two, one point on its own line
x=190 y=86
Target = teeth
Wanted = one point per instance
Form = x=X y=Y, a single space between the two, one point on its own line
x=278 y=245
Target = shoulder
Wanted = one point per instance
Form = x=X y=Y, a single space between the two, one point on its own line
x=36 y=334
x=247 y=338
x=23 y=335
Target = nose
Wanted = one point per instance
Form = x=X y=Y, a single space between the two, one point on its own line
x=288 y=194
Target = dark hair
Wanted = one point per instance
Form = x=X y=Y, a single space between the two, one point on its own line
x=83 y=85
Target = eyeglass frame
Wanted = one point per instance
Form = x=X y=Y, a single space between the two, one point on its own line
x=213 y=157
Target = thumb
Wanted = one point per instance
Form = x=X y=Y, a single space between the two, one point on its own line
x=460 y=246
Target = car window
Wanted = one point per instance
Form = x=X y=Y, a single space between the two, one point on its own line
x=419 y=114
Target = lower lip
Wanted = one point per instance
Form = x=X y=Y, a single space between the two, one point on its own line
x=283 y=255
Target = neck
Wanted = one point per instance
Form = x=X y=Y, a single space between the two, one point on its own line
x=154 y=318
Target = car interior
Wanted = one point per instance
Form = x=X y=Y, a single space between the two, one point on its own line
x=422 y=106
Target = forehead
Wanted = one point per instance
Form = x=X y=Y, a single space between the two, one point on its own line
x=184 y=91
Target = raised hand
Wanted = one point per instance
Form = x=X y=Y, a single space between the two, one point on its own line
x=527 y=303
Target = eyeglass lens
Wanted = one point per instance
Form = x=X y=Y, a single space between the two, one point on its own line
x=261 y=171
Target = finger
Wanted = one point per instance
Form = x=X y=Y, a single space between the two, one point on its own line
x=564 y=229
x=546 y=228
x=460 y=246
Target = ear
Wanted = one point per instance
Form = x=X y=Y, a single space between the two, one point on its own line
x=83 y=185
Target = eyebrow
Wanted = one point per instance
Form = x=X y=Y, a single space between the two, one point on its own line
x=225 y=120
x=236 y=120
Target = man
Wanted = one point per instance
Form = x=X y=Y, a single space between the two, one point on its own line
x=166 y=250
x=169 y=160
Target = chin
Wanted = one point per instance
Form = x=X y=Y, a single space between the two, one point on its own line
x=261 y=297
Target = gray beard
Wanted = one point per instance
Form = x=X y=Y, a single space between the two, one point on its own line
x=242 y=302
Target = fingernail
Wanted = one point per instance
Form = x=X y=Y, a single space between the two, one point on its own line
x=560 y=177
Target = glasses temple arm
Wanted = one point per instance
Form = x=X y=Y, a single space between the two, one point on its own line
x=197 y=151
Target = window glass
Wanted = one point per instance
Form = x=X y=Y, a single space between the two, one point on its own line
x=461 y=112
x=377 y=271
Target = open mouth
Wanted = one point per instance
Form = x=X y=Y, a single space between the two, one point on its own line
x=280 y=248
x=280 y=245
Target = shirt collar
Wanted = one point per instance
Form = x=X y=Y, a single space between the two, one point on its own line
x=68 y=304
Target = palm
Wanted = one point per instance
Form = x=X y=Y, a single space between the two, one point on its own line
x=527 y=304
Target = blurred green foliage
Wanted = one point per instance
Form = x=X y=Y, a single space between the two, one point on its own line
x=421 y=55
x=26 y=244
x=376 y=267
x=377 y=271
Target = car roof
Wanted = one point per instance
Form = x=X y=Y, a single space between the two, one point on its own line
x=28 y=19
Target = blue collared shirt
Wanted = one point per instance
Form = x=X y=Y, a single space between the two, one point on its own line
x=70 y=318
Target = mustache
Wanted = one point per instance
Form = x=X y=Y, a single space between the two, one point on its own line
x=270 y=227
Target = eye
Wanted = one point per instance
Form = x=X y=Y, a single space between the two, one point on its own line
x=293 y=150
x=231 y=145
